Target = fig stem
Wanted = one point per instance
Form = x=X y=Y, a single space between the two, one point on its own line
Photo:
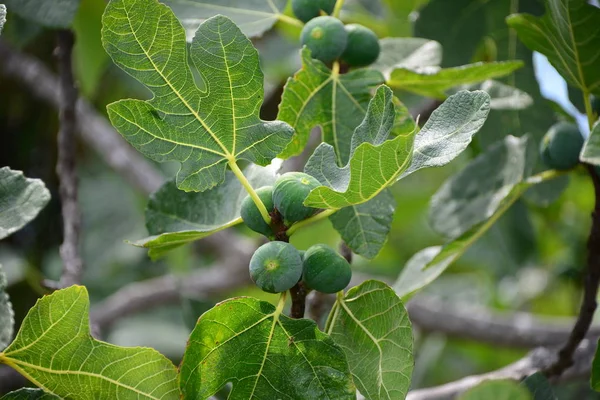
x=242 y=178
x=290 y=20
x=317 y=217
x=338 y=8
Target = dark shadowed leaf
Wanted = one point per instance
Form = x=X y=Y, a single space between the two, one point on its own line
x=539 y=386
x=50 y=13
x=29 y=394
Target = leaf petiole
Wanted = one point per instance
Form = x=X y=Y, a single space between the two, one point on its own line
x=338 y=8
x=242 y=178
x=308 y=221
x=588 y=109
x=290 y=20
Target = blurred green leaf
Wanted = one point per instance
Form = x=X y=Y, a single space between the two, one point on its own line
x=50 y=13
x=253 y=17
x=204 y=131
x=29 y=394
x=591 y=149
x=539 y=387
x=475 y=194
x=21 y=199
x=176 y=218
x=316 y=95
x=449 y=130
x=2 y=16
x=408 y=53
x=54 y=349
x=264 y=354
x=497 y=390
x=89 y=57
x=371 y=325
x=365 y=227
x=567 y=35
x=414 y=275
x=7 y=317
x=595 y=377
x=502 y=97
x=435 y=81
x=375 y=162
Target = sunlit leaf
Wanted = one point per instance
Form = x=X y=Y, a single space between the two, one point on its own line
x=449 y=130
x=375 y=162
x=591 y=149
x=497 y=390
x=50 y=13
x=254 y=17
x=21 y=199
x=54 y=350
x=371 y=325
x=175 y=218
x=204 y=130
x=568 y=35
x=318 y=96
x=7 y=317
x=435 y=81
x=408 y=53
x=29 y=394
x=263 y=354
x=365 y=227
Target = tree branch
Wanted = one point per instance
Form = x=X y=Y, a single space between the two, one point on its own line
x=535 y=361
x=590 y=289
x=66 y=163
x=93 y=128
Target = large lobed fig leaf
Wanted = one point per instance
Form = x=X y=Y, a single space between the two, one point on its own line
x=204 y=130
x=263 y=354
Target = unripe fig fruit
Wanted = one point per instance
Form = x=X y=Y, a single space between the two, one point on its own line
x=325 y=270
x=561 y=146
x=252 y=216
x=289 y=193
x=362 y=48
x=325 y=37
x=276 y=267
x=305 y=10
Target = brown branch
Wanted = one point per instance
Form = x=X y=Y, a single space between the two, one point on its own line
x=535 y=361
x=590 y=290
x=93 y=128
x=66 y=163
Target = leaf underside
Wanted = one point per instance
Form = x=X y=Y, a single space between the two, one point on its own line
x=29 y=394
x=591 y=149
x=203 y=130
x=50 y=13
x=7 y=318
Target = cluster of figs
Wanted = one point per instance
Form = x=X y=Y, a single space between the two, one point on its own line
x=329 y=39
x=278 y=266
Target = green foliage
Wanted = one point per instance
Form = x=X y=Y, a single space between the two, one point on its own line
x=50 y=13
x=221 y=124
x=409 y=53
x=2 y=16
x=289 y=193
x=317 y=95
x=325 y=270
x=305 y=10
x=539 y=386
x=7 y=320
x=276 y=267
x=54 y=349
x=251 y=214
x=175 y=218
x=325 y=37
x=254 y=343
x=29 y=394
x=21 y=199
x=372 y=327
x=497 y=390
x=595 y=377
x=254 y=17
x=561 y=146
x=591 y=148
x=362 y=48
x=567 y=35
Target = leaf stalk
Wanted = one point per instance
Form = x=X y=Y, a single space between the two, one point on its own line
x=242 y=178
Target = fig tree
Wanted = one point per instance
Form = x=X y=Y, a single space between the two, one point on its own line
x=362 y=48
x=252 y=216
x=276 y=267
x=561 y=146
x=289 y=193
x=325 y=37
x=305 y=10
x=325 y=270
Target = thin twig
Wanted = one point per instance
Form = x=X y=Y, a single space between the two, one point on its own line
x=66 y=163
x=299 y=293
x=590 y=290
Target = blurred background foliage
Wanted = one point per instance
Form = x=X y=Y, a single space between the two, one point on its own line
x=530 y=261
